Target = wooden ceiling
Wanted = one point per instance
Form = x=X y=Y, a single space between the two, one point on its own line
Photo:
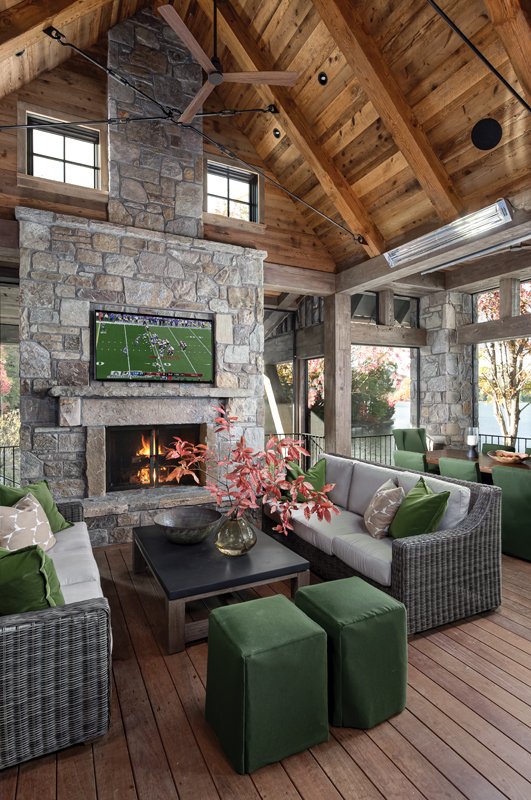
x=384 y=147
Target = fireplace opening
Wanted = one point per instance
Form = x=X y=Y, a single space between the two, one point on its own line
x=136 y=456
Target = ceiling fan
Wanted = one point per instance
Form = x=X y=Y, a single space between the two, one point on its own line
x=212 y=66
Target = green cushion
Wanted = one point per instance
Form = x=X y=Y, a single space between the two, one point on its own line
x=40 y=490
x=412 y=439
x=316 y=475
x=516 y=510
x=490 y=446
x=460 y=468
x=266 y=694
x=408 y=460
x=28 y=581
x=420 y=511
x=367 y=649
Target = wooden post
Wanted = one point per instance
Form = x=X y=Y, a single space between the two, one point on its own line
x=509 y=297
x=386 y=307
x=299 y=395
x=338 y=376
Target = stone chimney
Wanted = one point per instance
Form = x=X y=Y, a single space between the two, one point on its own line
x=156 y=168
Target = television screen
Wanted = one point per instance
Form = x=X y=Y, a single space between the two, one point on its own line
x=147 y=347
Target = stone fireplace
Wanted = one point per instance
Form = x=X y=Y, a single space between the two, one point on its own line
x=147 y=259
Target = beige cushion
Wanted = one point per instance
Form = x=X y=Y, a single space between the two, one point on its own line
x=339 y=471
x=24 y=524
x=381 y=510
x=322 y=534
x=367 y=478
x=370 y=557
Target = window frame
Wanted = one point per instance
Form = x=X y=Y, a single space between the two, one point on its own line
x=256 y=192
x=26 y=180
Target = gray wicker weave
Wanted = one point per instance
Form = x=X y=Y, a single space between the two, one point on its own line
x=440 y=577
x=55 y=668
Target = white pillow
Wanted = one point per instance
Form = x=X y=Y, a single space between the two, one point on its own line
x=458 y=502
x=24 y=524
x=382 y=509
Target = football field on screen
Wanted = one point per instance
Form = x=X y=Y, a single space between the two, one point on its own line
x=126 y=348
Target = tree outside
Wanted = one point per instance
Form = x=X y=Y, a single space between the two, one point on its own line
x=505 y=367
x=9 y=395
x=381 y=377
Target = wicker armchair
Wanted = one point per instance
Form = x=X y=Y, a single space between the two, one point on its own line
x=440 y=577
x=55 y=676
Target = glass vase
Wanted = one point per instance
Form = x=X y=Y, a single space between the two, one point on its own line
x=235 y=536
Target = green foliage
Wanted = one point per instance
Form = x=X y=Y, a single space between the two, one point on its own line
x=371 y=390
x=10 y=428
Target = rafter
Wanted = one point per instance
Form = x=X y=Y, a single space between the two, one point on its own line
x=376 y=78
x=513 y=26
x=246 y=52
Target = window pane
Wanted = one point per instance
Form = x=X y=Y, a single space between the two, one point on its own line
x=47 y=144
x=239 y=210
x=504 y=392
x=315 y=396
x=488 y=305
x=239 y=190
x=82 y=152
x=45 y=168
x=381 y=389
x=217 y=185
x=216 y=205
x=81 y=176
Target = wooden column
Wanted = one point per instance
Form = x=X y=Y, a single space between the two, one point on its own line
x=338 y=376
x=386 y=307
x=509 y=297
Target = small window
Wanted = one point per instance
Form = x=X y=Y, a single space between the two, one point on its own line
x=232 y=192
x=64 y=153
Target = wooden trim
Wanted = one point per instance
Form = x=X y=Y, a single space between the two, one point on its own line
x=281 y=278
x=231 y=224
x=245 y=50
x=495 y=330
x=509 y=298
x=484 y=273
x=388 y=336
x=513 y=27
x=60 y=189
x=378 y=82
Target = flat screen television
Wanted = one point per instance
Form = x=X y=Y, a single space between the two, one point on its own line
x=148 y=347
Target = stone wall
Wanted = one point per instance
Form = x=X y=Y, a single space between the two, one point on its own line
x=156 y=168
x=446 y=368
x=70 y=266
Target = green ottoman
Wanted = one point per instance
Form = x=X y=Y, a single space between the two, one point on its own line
x=367 y=649
x=266 y=695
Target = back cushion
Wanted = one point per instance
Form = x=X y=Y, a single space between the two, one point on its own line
x=366 y=480
x=458 y=502
x=339 y=471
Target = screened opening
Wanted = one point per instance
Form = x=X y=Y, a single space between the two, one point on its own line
x=64 y=153
x=232 y=192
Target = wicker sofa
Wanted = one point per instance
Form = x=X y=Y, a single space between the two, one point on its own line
x=55 y=665
x=440 y=577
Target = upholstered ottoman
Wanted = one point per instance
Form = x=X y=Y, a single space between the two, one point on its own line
x=367 y=649
x=266 y=695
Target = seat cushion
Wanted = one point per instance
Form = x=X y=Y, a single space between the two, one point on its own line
x=458 y=502
x=339 y=471
x=366 y=480
x=321 y=534
x=85 y=590
x=368 y=556
x=74 y=539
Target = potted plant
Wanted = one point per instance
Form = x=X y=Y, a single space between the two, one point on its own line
x=244 y=478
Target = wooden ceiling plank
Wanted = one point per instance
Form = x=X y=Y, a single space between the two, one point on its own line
x=513 y=26
x=298 y=129
x=22 y=25
x=382 y=89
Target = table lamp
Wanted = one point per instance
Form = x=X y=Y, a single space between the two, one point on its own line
x=472 y=439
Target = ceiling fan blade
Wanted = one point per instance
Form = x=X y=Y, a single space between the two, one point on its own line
x=169 y=14
x=190 y=110
x=271 y=78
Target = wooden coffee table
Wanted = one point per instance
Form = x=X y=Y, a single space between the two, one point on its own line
x=193 y=572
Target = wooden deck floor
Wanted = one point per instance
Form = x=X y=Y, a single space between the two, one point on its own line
x=466 y=731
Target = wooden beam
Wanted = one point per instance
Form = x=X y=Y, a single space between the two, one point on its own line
x=23 y=24
x=282 y=311
x=249 y=55
x=9 y=234
x=495 y=330
x=377 y=80
x=376 y=272
x=485 y=273
x=420 y=285
x=387 y=336
x=309 y=342
x=280 y=278
x=513 y=26
x=509 y=298
x=338 y=375
x=386 y=307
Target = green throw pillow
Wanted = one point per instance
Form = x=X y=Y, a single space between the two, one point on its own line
x=28 y=581
x=420 y=512
x=316 y=475
x=40 y=490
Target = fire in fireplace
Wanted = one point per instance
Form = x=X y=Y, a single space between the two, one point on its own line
x=136 y=455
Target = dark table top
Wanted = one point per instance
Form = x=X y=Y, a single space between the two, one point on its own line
x=188 y=570
x=486 y=463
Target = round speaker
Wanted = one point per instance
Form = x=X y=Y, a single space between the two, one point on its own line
x=486 y=134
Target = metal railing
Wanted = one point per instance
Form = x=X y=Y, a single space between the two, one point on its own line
x=520 y=443
x=10 y=465
x=374 y=448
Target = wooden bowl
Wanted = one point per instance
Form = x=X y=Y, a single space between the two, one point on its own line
x=508 y=458
x=188 y=524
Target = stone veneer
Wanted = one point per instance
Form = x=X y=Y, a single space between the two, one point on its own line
x=156 y=168
x=68 y=267
x=446 y=367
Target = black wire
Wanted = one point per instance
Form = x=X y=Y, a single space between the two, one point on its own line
x=479 y=54
x=169 y=116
